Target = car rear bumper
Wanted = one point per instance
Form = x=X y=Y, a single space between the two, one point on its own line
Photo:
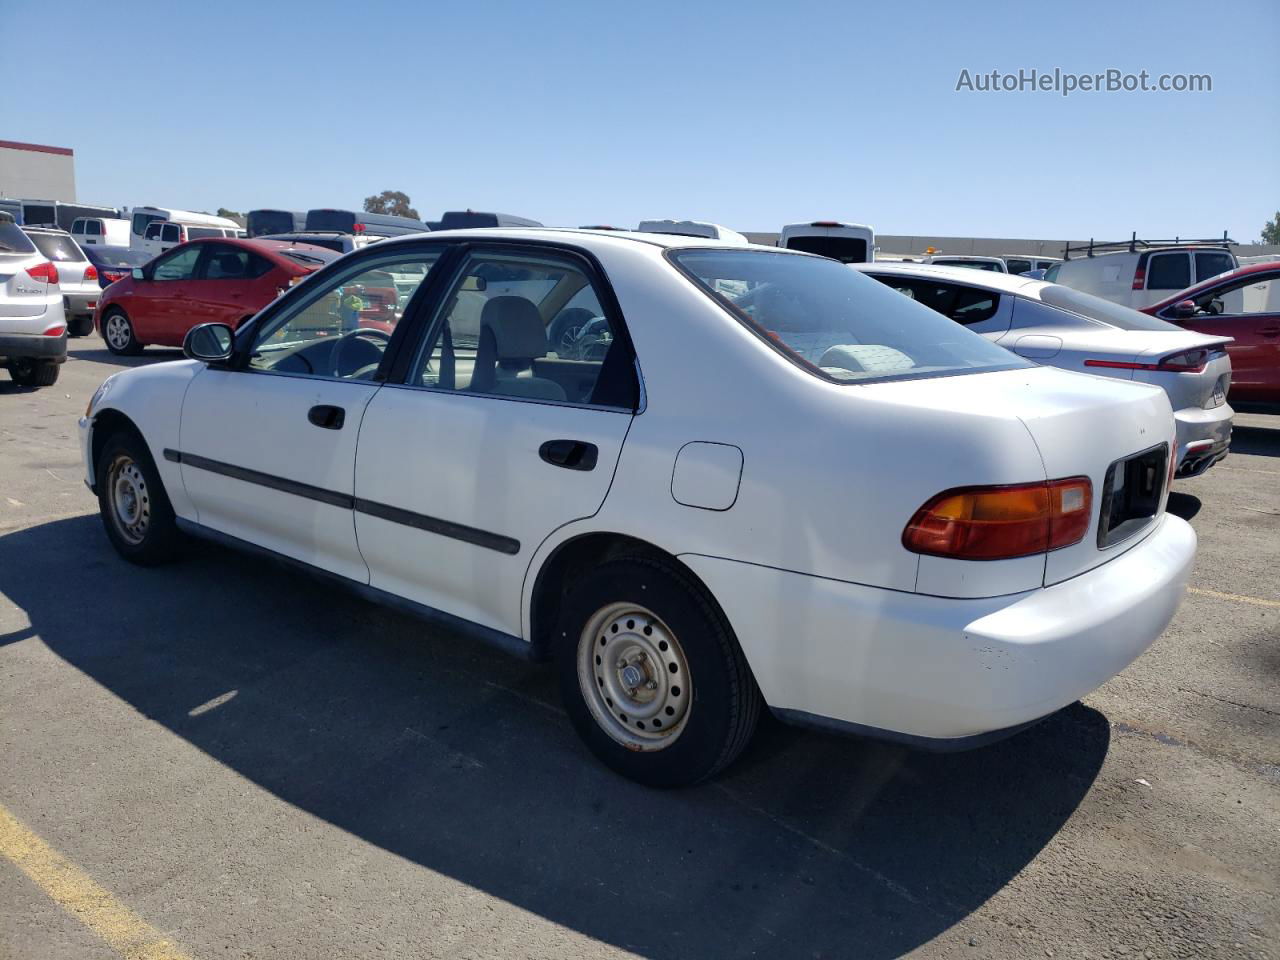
x=82 y=304
x=947 y=673
x=1204 y=438
x=21 y=346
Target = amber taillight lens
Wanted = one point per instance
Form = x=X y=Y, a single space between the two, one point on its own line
x=998 y=523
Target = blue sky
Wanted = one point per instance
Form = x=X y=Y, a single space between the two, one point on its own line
x=749 y=114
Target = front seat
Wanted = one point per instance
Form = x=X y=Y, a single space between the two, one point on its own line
x=512 y=336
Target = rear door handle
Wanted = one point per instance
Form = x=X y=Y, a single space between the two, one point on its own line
x=570 y=454
x=1271 y=331
x=328 y=417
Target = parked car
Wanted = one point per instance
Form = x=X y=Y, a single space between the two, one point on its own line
x=100 y=231
x=846 y=242
x=1061 y=327
x=1022 y=264
x=225 y=280
x=989 y=264
x=1244 y=305
x=692 y=228
x=329 y=239
x=162 y=235
x=33 y=326
x=784 y=485
x=115 y=263
x=1137 y=273
x=77 y=276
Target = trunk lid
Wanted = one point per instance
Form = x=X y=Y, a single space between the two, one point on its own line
x=22 y=295
x=1205 y=389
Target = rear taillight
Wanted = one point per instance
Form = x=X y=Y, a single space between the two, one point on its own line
x=91 y=272
x=999 y=523
x=1140 y=277
x=1186 y=361
x=44 y=271
x=56 y=331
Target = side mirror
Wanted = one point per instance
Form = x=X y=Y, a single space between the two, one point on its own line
x=209 y=343
x=1184 y=309
x=138 y=273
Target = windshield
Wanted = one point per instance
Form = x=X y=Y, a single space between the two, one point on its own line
x=834 y=321
x=58 y=247
x=1104 y=311
x=309 y=258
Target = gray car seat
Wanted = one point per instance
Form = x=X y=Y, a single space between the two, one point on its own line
x=512 y=336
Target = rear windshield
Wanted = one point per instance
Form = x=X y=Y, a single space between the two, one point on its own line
x=58 y=247
x=844 y=249
x=270 y=221
x=342 y=221
x=116 y=256
x=1104 y=311
x=835 y=322
x=13 y=240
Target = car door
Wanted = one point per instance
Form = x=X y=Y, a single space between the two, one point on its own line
x=269 y=442
x=229 y=285
x=489 y=441
x=161 y=307
x=1248 y=311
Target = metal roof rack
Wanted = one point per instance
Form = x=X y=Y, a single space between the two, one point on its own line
x=1133 y=243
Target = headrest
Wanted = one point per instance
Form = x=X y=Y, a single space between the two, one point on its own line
x=230 y=264
x=517 y=328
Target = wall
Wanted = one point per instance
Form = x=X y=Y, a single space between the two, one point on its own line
x=30 y=171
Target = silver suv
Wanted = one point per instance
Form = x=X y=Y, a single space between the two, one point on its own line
x=77 y=276
x=33 y=324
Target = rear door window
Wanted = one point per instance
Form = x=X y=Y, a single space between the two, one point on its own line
x=226 y=262
x=1211 y=264
x=1169 y=271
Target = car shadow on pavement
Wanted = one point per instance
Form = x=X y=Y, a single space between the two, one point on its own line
x=148 y=356
x=1255 y=441
x=460 y=759
x=1184 y=505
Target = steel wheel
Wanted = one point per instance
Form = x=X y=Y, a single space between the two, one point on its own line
x=130 y=499
x=115 y=330
x=634 y=677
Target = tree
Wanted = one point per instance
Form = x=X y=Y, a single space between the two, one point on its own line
x=392 y=202
x=233 y=214
x=1271 y=232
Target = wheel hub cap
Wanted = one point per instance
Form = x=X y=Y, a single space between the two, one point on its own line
x=130 y=500
x=634 y=677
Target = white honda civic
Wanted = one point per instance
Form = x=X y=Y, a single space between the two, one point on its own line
x=768 y=481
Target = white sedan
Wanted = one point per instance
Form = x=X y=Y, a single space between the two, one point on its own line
x=778 y=484
x=1064 y=327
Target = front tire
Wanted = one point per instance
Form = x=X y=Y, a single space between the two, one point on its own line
x=135 y=509
x=117 y=333
x=34 y=373
x=651 y=675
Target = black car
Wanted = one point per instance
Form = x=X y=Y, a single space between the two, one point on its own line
x=113 y=263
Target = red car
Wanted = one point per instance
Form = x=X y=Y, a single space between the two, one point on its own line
x=1243 y=304
x=211 y=279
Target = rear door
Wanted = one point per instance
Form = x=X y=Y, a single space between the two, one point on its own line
x=488 y=441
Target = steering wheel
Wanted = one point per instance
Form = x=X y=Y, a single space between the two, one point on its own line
x=365 y=335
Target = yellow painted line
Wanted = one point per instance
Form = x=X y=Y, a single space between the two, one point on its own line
x=76 y=892
x=1269 y=473
x=1257 y=601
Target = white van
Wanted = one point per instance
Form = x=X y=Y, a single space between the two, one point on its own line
x=693 y=228
x=846 y=242
x=100 y=231
x=205 y=224
x=1142 y=272
x=161 y=235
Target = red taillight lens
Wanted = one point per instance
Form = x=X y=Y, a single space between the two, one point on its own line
x=44 y=271
x=357 y=228
x=998 y=523
x=55 y=331
x=1188 y=361
x=91 y=272
x=1140 y=277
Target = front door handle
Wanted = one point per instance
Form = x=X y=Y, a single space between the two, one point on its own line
x=1270 y=331
x=570 y=454
x=328 y=417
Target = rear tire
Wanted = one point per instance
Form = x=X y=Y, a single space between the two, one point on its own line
x=80 y=327
x=117 y=333
x=135 y=509
x=34 y=373
x=651 y=675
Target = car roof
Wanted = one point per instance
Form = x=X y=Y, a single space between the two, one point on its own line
x=1269 y=266
x=986 y=279
x=590 y=239
x=46 y=230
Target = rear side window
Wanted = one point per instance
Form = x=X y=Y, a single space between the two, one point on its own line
x=1168 y=271
x=13 y=240
x=1211 y=264
x=835 y=322
x=58 y=247
x=194 y=233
